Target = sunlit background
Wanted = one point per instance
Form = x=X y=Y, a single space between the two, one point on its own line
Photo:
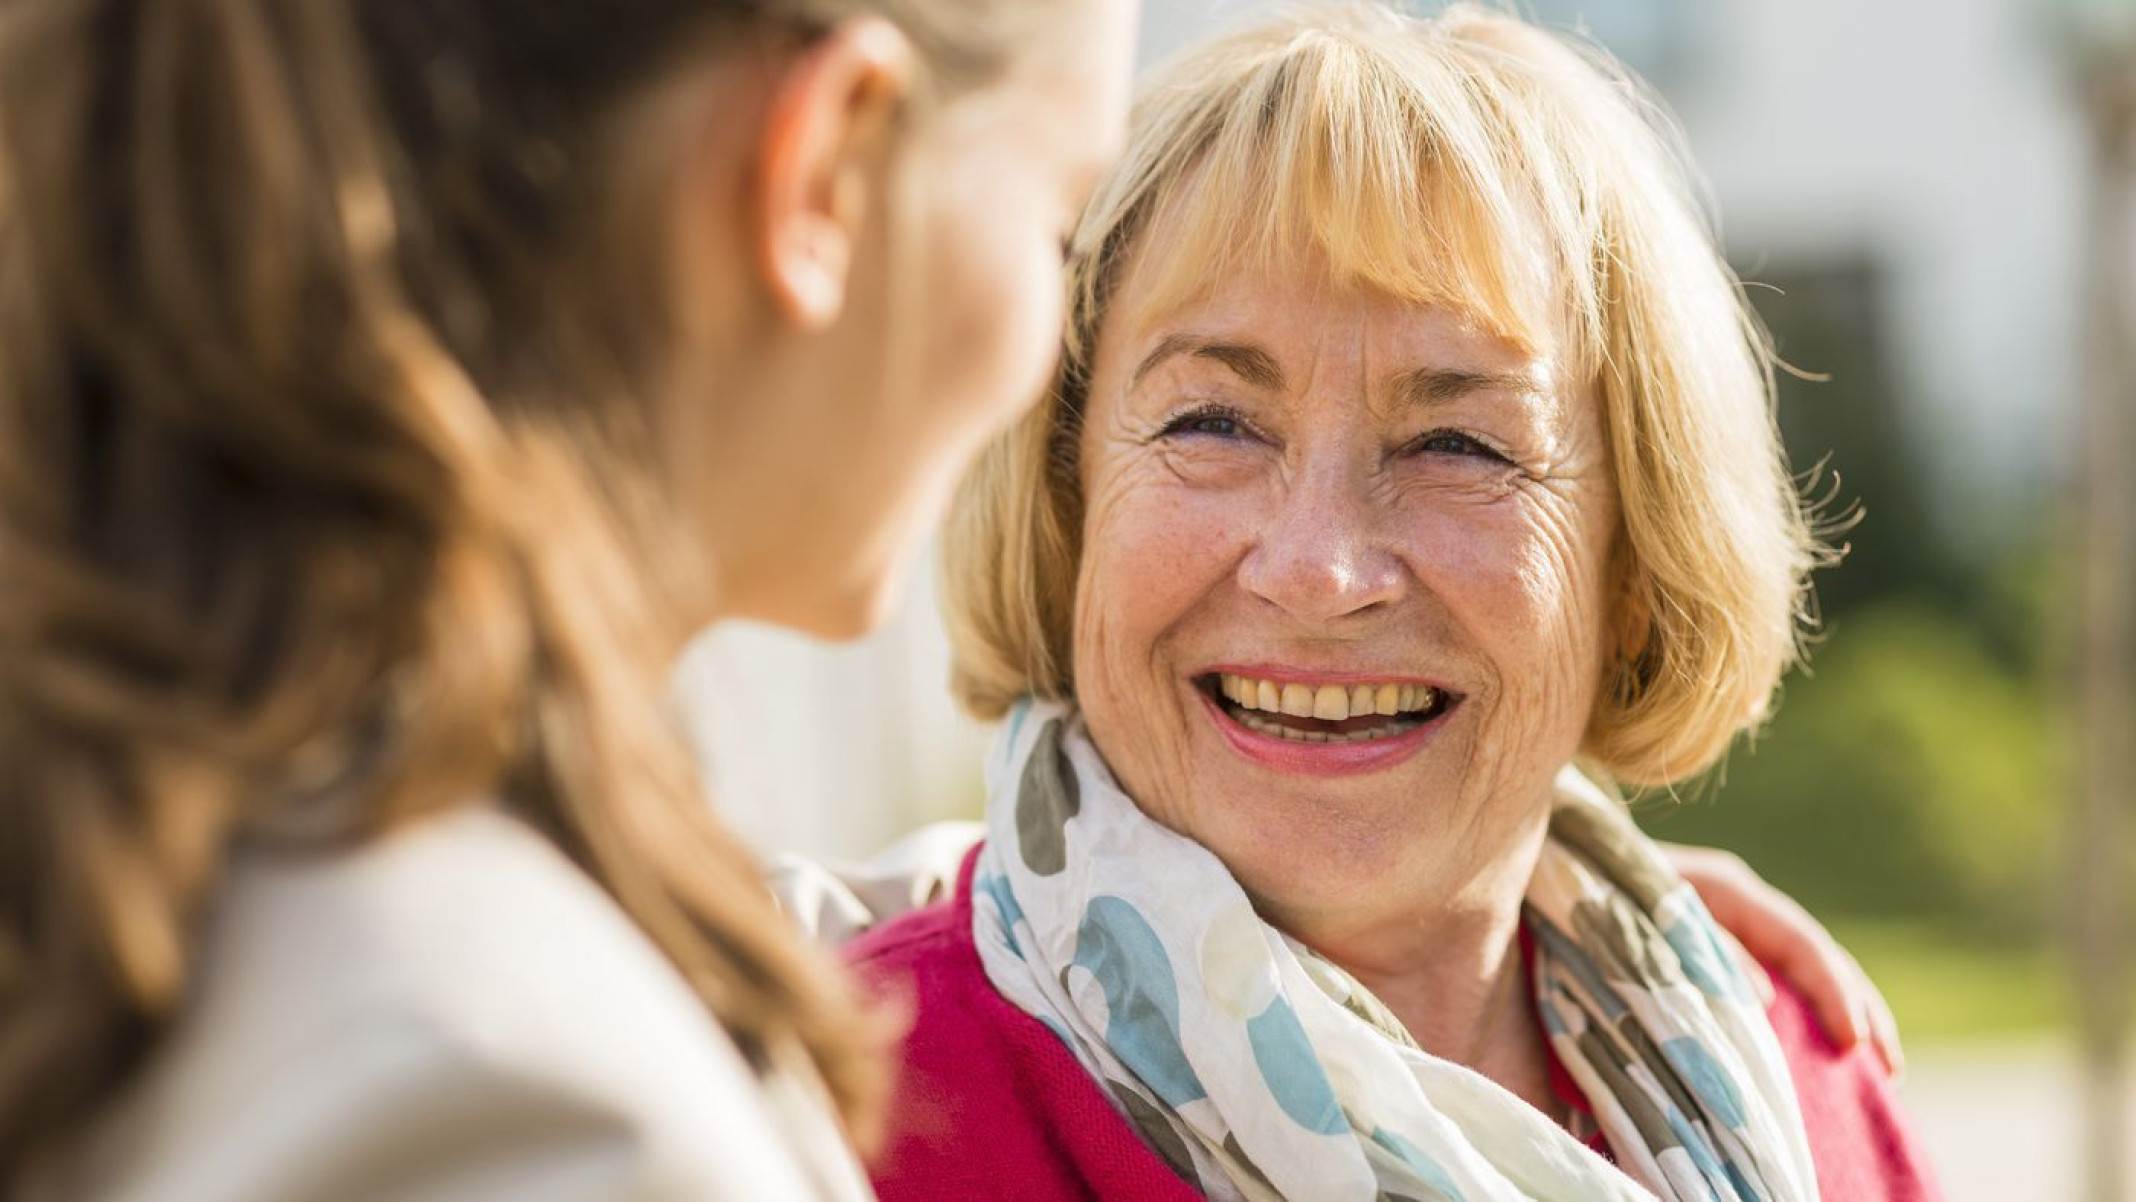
x=1912 y=189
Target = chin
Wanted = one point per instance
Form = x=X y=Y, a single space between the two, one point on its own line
x=1316 y=874
x=1307 y=840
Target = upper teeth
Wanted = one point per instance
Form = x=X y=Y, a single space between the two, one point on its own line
x=1330 y=702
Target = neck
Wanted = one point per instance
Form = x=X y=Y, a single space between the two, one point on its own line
x=1452 y=972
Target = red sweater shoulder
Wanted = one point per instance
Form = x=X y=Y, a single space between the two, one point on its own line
x=989 y=1103
x=1859 y=1137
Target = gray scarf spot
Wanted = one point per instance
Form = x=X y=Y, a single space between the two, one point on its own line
x=1048 y=798
x=1157 y=1131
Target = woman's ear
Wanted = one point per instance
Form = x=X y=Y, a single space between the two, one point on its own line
x=1635 y=627
x=826 y=136
x=1632 y=623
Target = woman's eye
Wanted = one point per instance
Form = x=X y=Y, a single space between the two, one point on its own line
x=1453 y=442
x=1213 y=423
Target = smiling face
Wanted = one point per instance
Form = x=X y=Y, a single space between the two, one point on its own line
x=1307 y=506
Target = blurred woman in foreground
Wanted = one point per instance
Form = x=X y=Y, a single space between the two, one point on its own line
x=386 y=390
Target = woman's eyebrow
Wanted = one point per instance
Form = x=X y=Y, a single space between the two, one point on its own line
x=1434 y=385
x=1249 y=362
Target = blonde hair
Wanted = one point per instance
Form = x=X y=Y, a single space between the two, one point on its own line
x=1473 y=161
x=325 y=497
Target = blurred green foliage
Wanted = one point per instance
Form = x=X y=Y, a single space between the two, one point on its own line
x=1909 y=776
x=1946 y=987
x=1911 y=788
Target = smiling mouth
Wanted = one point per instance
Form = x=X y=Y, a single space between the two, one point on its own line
x=1328 y=713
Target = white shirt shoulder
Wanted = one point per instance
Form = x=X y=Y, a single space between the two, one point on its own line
x=451 y=1013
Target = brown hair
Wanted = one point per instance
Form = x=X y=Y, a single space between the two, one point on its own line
x=1474 y=161
x=325 y=494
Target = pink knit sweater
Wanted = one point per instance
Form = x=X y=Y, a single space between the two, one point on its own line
x=991 y=1104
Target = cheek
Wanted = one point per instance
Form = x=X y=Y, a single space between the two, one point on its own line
x=1145 y=563
x=1153 y=557
x=1524 y=582
x=997 y=307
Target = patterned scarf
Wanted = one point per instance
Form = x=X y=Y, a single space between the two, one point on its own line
x=1261 y=1071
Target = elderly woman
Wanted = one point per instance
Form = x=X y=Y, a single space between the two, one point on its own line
x=1412 y=486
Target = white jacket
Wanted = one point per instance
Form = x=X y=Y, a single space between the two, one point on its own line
x=453 y=1013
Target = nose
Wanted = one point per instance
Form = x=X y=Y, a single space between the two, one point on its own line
x=1319 y=559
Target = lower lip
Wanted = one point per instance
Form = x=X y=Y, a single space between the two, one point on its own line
x=1322 y=759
